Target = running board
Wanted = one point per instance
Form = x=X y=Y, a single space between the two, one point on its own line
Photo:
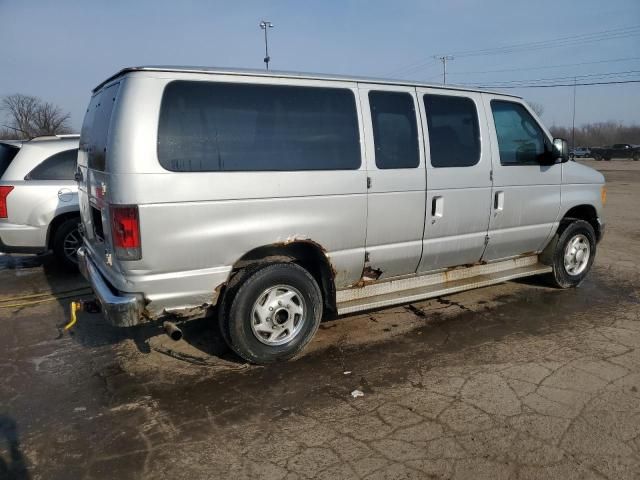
x=406 y=290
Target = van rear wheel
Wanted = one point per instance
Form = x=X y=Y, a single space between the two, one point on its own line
x=273 y=314
x=573 y=253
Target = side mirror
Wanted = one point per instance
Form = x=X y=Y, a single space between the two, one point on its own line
x=561 y=149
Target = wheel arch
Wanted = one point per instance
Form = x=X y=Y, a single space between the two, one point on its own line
x=56 y=222
x=306 y=253
x=585 y=212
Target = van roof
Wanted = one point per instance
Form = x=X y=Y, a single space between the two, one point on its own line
x=286 y=74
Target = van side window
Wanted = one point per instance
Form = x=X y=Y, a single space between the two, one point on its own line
x=395 y=131
x=520 y=138
x=206 y=126
x=95 y=128
x=454 y=133
x=59 y=166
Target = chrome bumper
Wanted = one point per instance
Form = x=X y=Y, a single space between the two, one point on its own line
x=121 y=309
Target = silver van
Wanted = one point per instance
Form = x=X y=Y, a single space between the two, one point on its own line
x=281 y=198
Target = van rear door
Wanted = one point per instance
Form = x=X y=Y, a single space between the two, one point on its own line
x=93 y=172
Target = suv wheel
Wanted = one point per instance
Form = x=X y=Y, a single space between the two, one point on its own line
x=636 y=156
x=573 y=253
x=66 y=241
x=274 y=313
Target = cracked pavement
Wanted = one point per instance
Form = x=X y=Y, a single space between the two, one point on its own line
x=518 y=380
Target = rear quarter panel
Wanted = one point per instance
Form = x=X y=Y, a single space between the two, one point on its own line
x=196 y=225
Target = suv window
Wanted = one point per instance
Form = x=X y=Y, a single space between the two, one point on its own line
x=395 y=131
x=207 y=126
x=454 y=133
x=95 y=127
x=521 y=141
x=60 y=166
x=7 y=154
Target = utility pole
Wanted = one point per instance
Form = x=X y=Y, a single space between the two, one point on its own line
x=573 y=124
x=264 y=25
x=444 y=59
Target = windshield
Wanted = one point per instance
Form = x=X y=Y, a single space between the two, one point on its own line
x=7 y=154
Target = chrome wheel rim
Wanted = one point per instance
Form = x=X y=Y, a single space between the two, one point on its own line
x=576 y=254
x=278 y=315
x=70 y=245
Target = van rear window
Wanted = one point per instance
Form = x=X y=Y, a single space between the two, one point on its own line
x=7 y=154
x=95 y=128
x=207 y=126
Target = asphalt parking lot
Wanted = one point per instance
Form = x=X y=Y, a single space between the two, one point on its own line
x=514 y=381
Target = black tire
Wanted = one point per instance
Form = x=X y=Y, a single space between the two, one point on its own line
x=561 y=277
x=636 y=157
x=64 y=234
x=597 y=158
x=237 y=312
x=607 y=159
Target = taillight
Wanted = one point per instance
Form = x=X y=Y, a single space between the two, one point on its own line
x=125 y=232
x=4 y=192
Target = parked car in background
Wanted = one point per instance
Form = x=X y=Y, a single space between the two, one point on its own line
x=39 y=197
x=618 y=150
x=279 y=197
x=580 y=152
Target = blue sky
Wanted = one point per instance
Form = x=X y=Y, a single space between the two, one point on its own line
x=60 y=50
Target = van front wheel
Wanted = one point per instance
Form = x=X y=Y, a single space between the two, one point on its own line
x=573 y=254
x=274 y=313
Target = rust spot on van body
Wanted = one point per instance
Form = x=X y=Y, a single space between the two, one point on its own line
x=313 y=243
x=369 y=275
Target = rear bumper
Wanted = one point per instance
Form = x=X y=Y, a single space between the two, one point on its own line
x=121 y=309
x=17 y=249
x=21 y=239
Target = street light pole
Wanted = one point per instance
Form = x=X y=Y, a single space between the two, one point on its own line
x=264 y=25
x=573 y=123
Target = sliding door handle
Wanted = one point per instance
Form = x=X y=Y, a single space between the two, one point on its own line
x=498 y=201
x=437 y=207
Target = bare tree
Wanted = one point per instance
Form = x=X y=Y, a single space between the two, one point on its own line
x=600 y=133
x=537 y=107
x=29 y=117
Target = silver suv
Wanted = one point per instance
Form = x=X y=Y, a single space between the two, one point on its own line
x=282 y=197
x=39 y=197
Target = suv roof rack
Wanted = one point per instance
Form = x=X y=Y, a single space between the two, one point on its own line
x=55 y=137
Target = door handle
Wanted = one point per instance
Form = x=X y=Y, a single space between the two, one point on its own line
x=437 y=207
x=498 y=201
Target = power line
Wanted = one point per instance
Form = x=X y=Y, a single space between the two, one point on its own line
x=555 y=79
x=571 y=40
x=543 y=67
x=556 y=42
x=412 y=67
x=615 y=82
